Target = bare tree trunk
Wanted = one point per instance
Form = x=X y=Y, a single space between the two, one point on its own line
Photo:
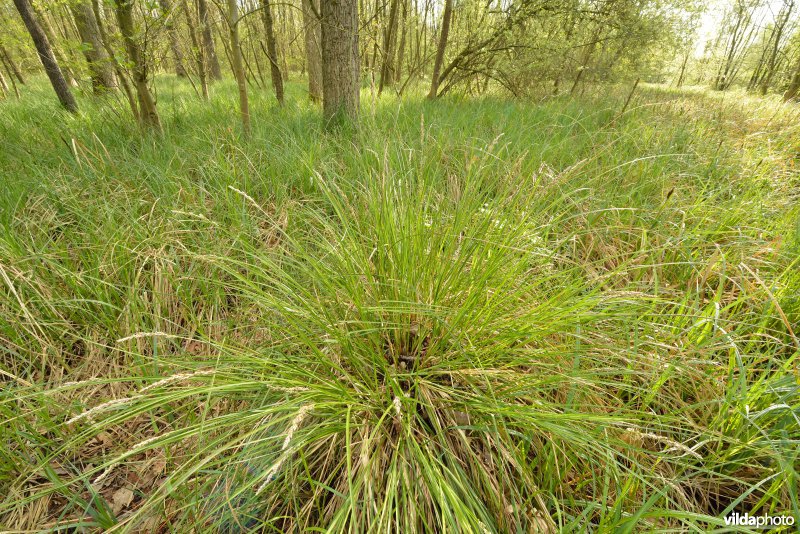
x=9 y=61
x=682 y=75
x=210 y=52
x=121 y=76
x=148 y=116
x=46 y=56
x=97 y=58
x=401 y=48
x=437 y=64
x=63 y=61
x=755 y=77
x=389 y=44
x=10 y=75
x=793 y=91
x=4 y=88
x=197 y=50
x=340 y=62
x=313 y=40
x=169 y=25
x=236 y=63
x=272 y=55
x=777 y=33
x=587 y=55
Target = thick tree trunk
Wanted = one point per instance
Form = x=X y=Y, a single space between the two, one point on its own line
x=275 y=71
x=313 y=46
x=389 y=45
x=174 y=43
x=209 y=51
x=437 y=64
x=236 y=63
x=46 y=56
x=97 y=58
x=148 y=116
x=340 y=62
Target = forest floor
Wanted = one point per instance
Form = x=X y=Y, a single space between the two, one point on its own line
x=471 y=315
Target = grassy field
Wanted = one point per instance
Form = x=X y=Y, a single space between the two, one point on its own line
x=470 y=316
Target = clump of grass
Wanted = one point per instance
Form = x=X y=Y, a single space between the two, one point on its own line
x=494 y=317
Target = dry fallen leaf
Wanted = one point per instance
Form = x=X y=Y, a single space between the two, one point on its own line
x=121 y=498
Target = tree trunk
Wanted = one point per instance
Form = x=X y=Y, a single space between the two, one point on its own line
x=236 y=63
x=437 y=64
x=97 y=9
x=587 y=55
x=793 y=92
x=208 y=41
x=62 y=60
x=755 y=77
x=777 y=33
x=11 y=64
x=197 y=50
x=275 y=71
x=340 y=62
x=46 y=56
x=389 y=45
x=97 y=58
x=682 y=75
x=401 y=48
x=313 y=39
x=4 y=88
x=10 y=75
x=148 y=116
x=169 y=25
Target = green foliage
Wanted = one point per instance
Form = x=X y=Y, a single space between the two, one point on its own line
x=468 y=316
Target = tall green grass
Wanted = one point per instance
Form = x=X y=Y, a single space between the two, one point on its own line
x=471 y=315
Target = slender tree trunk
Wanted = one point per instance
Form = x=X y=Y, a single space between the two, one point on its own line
x=340 y=62
x=63 y=61
x=793 y=91
x=777 y=33
x=197 y=50
x=236 y=63
x=97 y=58
x=313 y=40
x=10 y=75
x=272 y=55
x=148 y=116
x=4 y=88
x=755 y=77
x=46 y=56
x=172 y=33
x=437 y=63
x=210 y=52
x=121 y=76
x=389 y=44
x=401 y=48
x=11 y=64
x=682 y=75
x=587 y=56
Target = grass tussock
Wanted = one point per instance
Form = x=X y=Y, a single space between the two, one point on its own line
x=470 y=316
